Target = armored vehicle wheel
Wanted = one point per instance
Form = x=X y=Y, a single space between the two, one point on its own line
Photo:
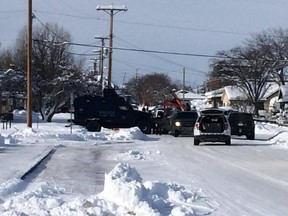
x=251 y=136
x=228 y=142
x=144 y=126
x=93 y=126
x=176 y=133
x=196 y=141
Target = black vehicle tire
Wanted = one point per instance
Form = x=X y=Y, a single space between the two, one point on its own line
x=145 y=126
x=176 y=133
x=228 y=142
x=250 y=136
x=93 y=126
x=196 y=141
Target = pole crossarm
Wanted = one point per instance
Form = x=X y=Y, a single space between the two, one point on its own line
x=111 y=8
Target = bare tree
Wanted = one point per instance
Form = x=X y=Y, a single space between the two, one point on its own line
x=6 y=58
x=150 y=89
x=261 y=59
x=249 y=69
x=275 y=43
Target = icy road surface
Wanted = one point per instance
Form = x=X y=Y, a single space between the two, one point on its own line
x=246 y=178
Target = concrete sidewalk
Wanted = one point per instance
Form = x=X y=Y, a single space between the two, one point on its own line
x=18 y=160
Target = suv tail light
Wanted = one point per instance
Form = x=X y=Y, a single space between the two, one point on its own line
x=197 y=125
x=226 y=126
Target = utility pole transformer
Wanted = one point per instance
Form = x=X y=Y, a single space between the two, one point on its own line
x=111 y=10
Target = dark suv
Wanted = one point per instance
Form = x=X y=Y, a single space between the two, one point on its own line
x=242 y=124
x=212 y=126
x=182 y=122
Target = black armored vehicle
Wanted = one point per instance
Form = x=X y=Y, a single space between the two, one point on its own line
x=109 y=111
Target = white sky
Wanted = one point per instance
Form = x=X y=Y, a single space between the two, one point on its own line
x=197 y=27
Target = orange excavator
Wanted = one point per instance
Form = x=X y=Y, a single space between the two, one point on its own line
x=163 y=123
x=175 y=102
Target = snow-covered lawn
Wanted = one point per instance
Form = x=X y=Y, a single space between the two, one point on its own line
x=124 y=191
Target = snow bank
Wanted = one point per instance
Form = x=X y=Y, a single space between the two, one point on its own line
x=45 y=134
x=280 y=141
x=128 y=134
x=124 y=194
x=124 y=187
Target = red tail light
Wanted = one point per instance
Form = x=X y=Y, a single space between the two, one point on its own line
x=197 y=125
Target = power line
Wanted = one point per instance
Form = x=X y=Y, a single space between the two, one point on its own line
x=163 y=59
x=45 y=26
x=184 y=28
x=153 y=51
x=147 y=24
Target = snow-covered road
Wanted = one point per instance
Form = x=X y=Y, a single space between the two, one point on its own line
x=128 y=173
x=246 y=178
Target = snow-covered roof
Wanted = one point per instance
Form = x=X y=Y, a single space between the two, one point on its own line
x=188 y=95
x=283 y=94
x=271 y=88
x=214 y=93
x=235 y=93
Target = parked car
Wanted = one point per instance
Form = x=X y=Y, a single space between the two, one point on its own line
x=212 y=126
x=242 y=124
x=182 y=122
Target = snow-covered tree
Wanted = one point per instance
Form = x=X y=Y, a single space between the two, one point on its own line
x=55 y=73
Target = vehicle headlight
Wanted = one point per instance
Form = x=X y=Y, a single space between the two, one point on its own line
x=177 y=124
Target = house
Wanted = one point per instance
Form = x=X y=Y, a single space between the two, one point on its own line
x=283 y=95
x=187 y=96
x=9 y=99
x=193 y=99
x=234 y=97
x=270 y=96
x=213 y=98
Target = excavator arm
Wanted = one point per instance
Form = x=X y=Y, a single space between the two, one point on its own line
x=174 y=102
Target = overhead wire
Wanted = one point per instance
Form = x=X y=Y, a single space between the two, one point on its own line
x=162 y=58
x=145 y=24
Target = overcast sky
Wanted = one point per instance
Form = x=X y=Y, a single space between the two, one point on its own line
x=200 y=27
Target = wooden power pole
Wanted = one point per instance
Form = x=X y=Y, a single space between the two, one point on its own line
x=111 y=10
x=29 y=64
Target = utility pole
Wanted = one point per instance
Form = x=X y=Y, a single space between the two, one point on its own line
x=111 y=10
x=124 y=77
x=29 y=64
x=183 y=82
x=137 y=87
x=101 y=60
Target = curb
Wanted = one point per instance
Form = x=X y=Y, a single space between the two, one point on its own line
x=29 y=171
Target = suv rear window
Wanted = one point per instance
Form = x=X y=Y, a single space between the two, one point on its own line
x=243 y=117
x=212 y=124
x=186 y=115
